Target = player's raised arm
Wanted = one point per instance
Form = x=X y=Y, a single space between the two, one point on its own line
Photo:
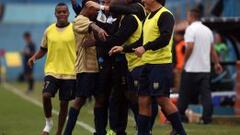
x=76 y=6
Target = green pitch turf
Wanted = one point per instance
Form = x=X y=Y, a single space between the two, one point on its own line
x=19 y=116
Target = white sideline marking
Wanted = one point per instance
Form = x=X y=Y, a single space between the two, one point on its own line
x=39 y=104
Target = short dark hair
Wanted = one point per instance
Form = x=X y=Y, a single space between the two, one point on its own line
x=85 y=1
x=27 y=34
x=61 y=4
x=196 y=13
x=133 y=1
x=162 y=2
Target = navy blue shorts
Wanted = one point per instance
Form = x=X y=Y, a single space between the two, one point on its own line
x=133 y=79
x=87 y=85
x=27 y=69
x=155 y=80
x=66 y=87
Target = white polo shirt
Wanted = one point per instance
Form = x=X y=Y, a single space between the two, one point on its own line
x=202 y=37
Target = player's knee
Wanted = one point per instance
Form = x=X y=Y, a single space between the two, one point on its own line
x=162 y=101
x=101 y=101
x=98 y=105
x=79 y=102
x=144 y=103
x=46 y=95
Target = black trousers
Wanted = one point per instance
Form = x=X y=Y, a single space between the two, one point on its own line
x=113 y=84
x=195 y=86
x=118 y=103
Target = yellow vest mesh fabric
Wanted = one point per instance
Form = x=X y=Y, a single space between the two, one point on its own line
x=132 y=59
x=150 y=33
x=61 y=53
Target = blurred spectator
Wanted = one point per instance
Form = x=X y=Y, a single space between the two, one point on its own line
x=179 y=58
x=1 y=11
x=196 y=75
x=179 y=49
x=220 y=47
x=27 y=53
x=2 y=53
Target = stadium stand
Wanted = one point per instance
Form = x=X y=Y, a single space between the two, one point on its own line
x=1 y=11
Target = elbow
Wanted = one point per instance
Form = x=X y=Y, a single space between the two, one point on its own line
x=43 y=49
x=166 y=39
x=166 y=43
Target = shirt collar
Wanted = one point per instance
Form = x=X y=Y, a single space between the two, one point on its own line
x=196 y=22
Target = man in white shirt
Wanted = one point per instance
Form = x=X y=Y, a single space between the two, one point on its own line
x=195 y=81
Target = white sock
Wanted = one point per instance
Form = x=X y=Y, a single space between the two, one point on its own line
x=49 y=125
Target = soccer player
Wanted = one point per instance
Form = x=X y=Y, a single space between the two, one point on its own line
x=28 y=52
x=155 y=79
x=127 y=26
x=133 y=62
x=105 y=77
x=86 y=66
x=135 y=8
x=112 y=76
x=113 y=69
x=59 y=45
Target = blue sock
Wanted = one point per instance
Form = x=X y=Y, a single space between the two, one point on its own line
x=143 y=125
x=175 y=120
x=100 y=119
x=154 y=114
x=73 y=114
x=134 y=108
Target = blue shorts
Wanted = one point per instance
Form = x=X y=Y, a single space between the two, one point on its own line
x=133 y=79
x=156 y=80
x=27 y=69
x=87 y=85
x=66 y=87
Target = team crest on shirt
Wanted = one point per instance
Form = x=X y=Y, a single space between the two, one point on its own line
x=156 y=85
x=135 y=83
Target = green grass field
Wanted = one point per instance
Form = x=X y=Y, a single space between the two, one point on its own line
x=19 y=116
